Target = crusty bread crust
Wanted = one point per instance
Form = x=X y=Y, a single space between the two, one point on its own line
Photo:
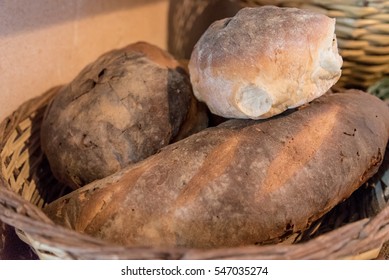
x=264 y=60
x=243 y=182
x=120 y=109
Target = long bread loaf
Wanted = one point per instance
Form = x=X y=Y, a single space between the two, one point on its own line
x=242 y=182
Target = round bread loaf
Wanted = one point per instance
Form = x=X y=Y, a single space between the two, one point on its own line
x=265 y=60
x=120 y=109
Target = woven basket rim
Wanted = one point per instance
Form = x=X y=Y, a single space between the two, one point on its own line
x=33 y=226
x=362 y=239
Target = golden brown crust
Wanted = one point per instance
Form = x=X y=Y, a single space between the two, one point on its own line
x=157 y=55
x=243 y=182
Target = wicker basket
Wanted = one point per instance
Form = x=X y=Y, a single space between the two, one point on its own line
x=355 y=229
x=362 y=28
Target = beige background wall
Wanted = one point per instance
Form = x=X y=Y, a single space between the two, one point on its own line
x=44 y=43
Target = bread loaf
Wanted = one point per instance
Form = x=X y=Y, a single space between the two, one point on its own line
x=242 y=182
x=265 y=60
x=120 y=109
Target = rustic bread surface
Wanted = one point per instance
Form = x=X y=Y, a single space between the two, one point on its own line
x=265 y=60
x=120 y=109
x=242 y=182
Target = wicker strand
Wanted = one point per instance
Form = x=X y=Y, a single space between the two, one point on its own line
x=350 y=241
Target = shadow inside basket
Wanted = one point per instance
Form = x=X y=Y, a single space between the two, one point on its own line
x=26 y=171
x=46 y=186
x=23 y=164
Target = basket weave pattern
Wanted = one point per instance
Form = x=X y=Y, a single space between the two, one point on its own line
x=355 y=229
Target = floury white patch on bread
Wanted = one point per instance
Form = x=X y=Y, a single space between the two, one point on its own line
x=265 y=60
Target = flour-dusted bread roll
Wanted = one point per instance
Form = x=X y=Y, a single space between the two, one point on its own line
x=265 y=60
x=242 y=182
x=120 y=109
